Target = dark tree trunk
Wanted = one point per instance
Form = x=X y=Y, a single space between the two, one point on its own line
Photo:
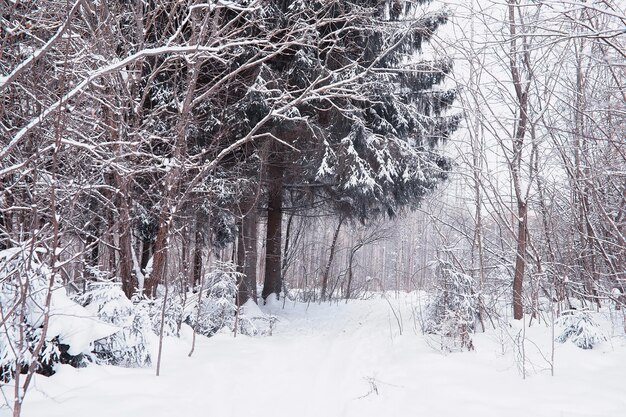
x=172 y=199
x=521 y=93
x=349 y=284
x=4 y=237
x=197 y=258
x=125 y=260
x=353 y=252
x=520 y=262
x=92 y=239
x=160 y=255
x=250 y=230
x=146 y=253
x=247 y=254
x=161 y=246
x=331 y=256
x=6 y=224
x=110 y=263
x=95 y=252
x=287 y=246
x=185 y=255
x=273 y=256
x=241 y=257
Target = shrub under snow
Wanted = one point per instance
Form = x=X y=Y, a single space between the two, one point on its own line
x=217 y=310
x=30 y=295
x=452 y=312
x=102 y=324
x=579 y=327
x=129 y=345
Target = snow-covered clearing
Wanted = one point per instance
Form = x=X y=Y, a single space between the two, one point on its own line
x=346 y=360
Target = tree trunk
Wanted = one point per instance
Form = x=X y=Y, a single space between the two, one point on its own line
x=287 y=247
x=109 y=228
x=125 y=260
x=171 y=200
x=520 y=261
x=5 y=222
x=92 y=240
x=146 y=253
x=333 y=247
x=160 y=255
x=197 y=258
x=240 y=251
x=350 y=260
x=250 y=249
x=186 y=277
x=273 y=256
x=517 y=57
x=122 y=182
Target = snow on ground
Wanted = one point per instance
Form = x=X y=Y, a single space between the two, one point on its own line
x=346 y=360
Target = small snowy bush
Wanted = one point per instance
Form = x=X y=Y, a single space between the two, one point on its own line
x=253 y=322
x=23 y=282
x=216 y=309
x=129 y=346
x=579 y=327
x=452 y=312
x=31 y=297
x=172 y=315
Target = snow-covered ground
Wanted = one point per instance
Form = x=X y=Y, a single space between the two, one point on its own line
x=347 y=360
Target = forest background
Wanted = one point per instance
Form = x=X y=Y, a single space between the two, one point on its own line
x=158 y=153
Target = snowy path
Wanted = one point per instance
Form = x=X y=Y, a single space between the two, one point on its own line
x=339 y=360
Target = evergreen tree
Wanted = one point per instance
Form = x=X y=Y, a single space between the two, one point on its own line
x=192 y=104
x=365 y=114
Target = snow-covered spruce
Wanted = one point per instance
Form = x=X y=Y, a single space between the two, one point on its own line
x=30 y=297
x=129 y=346
x=216 y=308
x=452 y=312
x=138 y=320
x=579 y=327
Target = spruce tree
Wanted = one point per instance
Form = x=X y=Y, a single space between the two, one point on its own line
x=365 y=112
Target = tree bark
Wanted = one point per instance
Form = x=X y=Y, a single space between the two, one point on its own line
x=520 y=261
x=521 y=93
x=250 y=246
x=273 y=256
x=331 y=256
x=146 y=253
x=186 y=276
x=122 y=182
x=161 y=246
x=197 y=257
x=125 y=261
x=5 y=222
x=353 y=252
x=92 y=240
x=247 y=256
